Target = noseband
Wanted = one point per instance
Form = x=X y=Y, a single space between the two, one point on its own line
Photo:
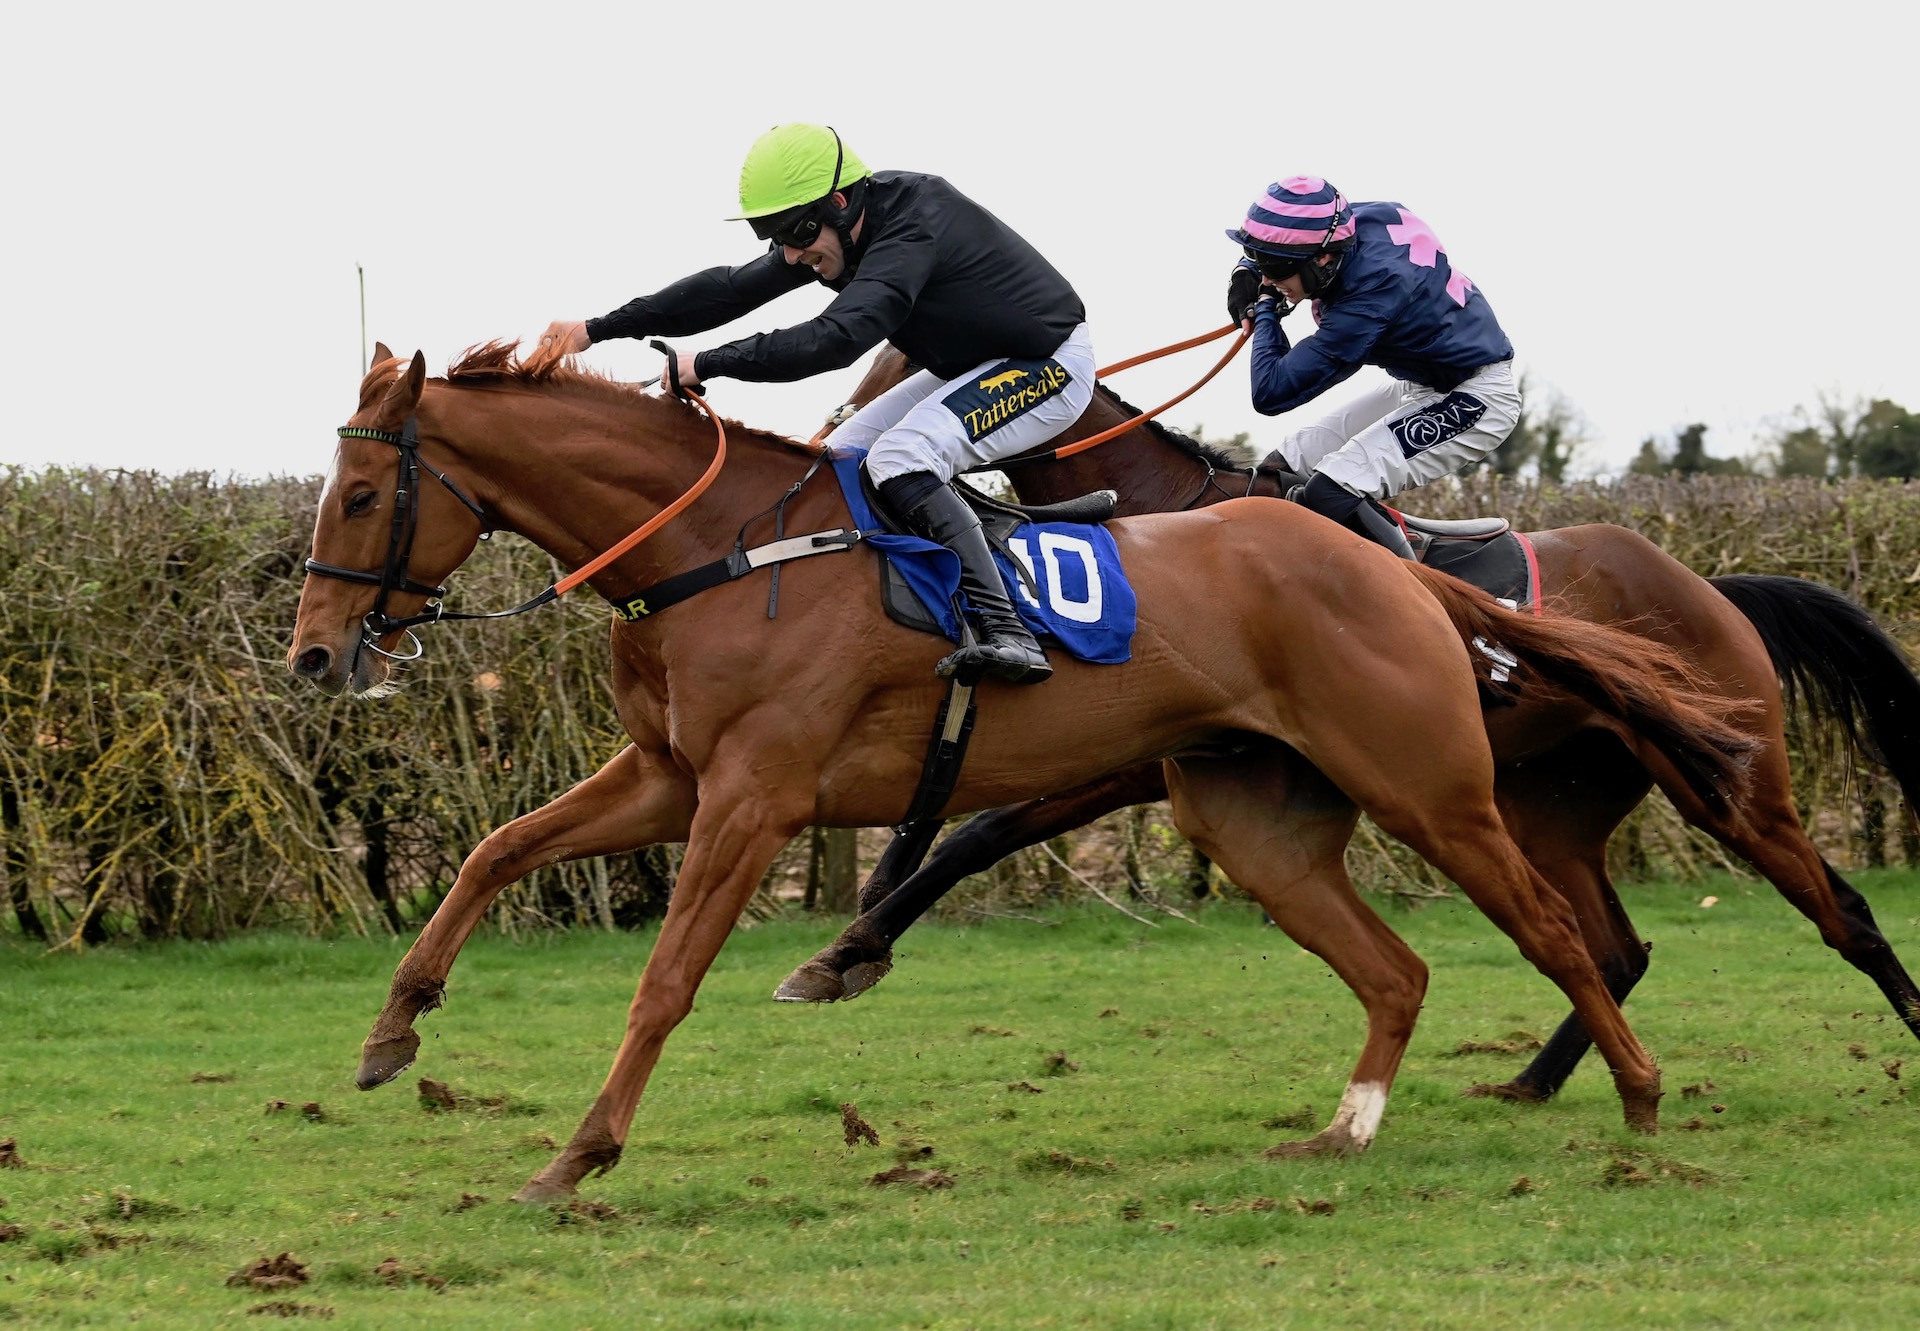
x=392 y=576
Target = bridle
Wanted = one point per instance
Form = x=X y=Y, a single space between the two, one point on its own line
x=393 y=575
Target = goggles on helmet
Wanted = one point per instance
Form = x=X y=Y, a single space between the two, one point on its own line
x=1276 y=267
x=797 y=229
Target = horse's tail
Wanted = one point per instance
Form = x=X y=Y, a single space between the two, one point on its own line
x=1647 y=687
x=1838 y=668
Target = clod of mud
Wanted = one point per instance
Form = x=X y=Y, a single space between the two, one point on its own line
x=1110 y=1012
x=1698 y=1089
x=1318 y=1206
x=394 y=1275
x=8 y=1233
x=1892 y=1068
x=312 y=1112
x=1521 y=1186
x=271 y=1273
x=1296 y=1120
x=10 y=1155
x=856 y=1129
x=1067 y=1163
x=1057 y=1064
x=209 y=1078
x=1026 y=1086
x=283 y=1308
x=929 y=1179
x=912 y=1150
x=1636 y=1169
x=437 y=1096
x=277 y=1106
x=759 y=1181
x=582 y=1211
x=1859 y=1051
x=468 y=1200
x=1514 y=1042
x=998 y=1032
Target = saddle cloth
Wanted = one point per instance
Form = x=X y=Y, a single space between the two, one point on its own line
x=1068 y=584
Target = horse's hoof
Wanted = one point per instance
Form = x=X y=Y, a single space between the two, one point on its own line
x=383 y=1060
x=542 y=1192
x=814 y=982
x=1515 y=1092
x=863 y=975
x=1643 y=1116
x=1328 y=1143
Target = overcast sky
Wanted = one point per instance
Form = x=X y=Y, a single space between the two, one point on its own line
x=1679 y=211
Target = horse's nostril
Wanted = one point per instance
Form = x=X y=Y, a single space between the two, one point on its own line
x=313 y=663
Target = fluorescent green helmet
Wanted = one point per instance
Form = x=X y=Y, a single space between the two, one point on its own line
x=791 y=168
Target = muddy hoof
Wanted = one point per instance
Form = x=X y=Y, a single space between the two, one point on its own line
x=383 y=1060
x=1514 y=1092
x=1328 y=1143
x=863 y=975
x=542 y=1192
x=1643 y=1114
x=814 y=982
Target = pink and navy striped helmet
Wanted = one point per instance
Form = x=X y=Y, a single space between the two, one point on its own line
x=1296 y=218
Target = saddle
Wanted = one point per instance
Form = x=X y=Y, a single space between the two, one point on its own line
x=1486 y=552
x=998 y=519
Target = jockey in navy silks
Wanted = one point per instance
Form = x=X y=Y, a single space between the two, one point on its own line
x=1384 y=293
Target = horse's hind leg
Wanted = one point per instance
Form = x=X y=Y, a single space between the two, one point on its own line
x=1439 y=801
x=1764 y=829
x=634 y=801
x=1279 y=830
x=863 y=953
x=1561 y=807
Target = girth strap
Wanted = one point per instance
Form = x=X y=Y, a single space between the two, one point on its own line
x=739 y=562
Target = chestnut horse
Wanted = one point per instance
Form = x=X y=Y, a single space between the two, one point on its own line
x=1563 y=802
x=1278 y=710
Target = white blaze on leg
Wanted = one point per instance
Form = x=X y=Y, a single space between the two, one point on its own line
x=1360 y=1111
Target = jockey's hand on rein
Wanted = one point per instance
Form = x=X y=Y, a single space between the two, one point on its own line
x=1243 y=289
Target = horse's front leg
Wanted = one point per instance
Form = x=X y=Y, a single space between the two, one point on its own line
x=739 y=828
x=863 y=953
x=636 y=800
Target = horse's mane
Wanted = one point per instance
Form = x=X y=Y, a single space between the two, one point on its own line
x=496 y=364
x=1223 y=458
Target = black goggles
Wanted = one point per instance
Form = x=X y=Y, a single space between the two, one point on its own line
x=1276 y=267
x=797 y=232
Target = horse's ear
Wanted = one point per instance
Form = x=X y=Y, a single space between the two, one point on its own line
x=381 y=353
x=404 y=395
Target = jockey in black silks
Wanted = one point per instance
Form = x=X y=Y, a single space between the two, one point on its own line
x=911 y=260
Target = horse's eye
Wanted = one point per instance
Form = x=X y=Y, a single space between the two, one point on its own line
x=360 y=503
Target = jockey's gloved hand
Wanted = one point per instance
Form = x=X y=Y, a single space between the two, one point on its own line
x=1243 y=289
x=1282 y=307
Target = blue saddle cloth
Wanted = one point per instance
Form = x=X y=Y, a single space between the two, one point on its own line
x=1085 y=603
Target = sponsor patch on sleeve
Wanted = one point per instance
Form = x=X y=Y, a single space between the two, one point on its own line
x=1005 y=392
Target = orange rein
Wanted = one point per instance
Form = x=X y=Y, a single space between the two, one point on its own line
x=664 y=516
x=699 y=487
x=819 y=439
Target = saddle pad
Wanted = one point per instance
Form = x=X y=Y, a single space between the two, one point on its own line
x=1504 y=565
x=1069 y=586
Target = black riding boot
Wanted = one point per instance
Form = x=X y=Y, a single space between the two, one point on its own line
x=1358 y=513
x=1006 y=650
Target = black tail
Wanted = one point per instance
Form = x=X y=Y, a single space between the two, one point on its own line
x=1838 y=667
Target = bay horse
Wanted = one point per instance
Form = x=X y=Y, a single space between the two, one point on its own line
x=1278 y=712
x=1745 y=633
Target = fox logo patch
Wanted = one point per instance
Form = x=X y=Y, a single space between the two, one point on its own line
x=1015 y=387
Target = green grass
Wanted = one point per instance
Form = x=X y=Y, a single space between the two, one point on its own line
x=1128 y=1193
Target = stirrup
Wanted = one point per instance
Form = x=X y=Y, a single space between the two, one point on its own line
x=1010 y=661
